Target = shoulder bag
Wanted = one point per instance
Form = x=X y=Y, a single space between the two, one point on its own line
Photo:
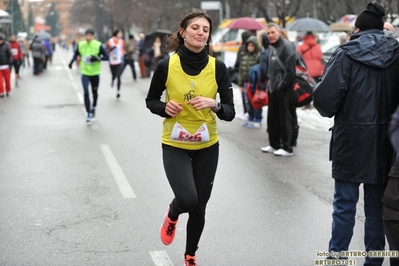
x=301 y=92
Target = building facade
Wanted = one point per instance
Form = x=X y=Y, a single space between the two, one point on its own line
x=40 y=9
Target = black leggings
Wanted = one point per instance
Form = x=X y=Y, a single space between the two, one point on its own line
x=116 y=71
x=16 y=64
x=191 y=174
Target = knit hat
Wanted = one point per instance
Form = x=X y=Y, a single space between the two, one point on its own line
x=89 y=31
x=371 y=17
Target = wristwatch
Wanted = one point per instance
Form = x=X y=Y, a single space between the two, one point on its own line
x=218 y=106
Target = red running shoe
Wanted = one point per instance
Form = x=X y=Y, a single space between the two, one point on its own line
x=190 y=261
x=168 y=230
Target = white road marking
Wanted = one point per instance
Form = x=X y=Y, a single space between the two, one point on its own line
x=75 y=87
x=160 y=258
x=78 y=91
x=121 y=180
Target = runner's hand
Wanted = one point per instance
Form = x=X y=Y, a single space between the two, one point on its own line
x=199 y=103
x=173 y=109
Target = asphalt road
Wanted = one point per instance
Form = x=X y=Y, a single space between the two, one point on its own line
x=73 y=194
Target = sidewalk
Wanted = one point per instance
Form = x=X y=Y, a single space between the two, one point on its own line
x=309 y=118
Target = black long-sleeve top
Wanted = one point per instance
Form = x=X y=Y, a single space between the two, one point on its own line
x=192 y=64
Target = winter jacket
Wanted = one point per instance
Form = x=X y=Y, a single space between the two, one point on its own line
x=26 y=46
x=248 y=60
x=391 y=194
x=359 y=87
x=130 y=48
x=313 y=56
x=394 y=130
x=281 y=79
x=37 y=49
x=264 y=61
x=244 y=37
x=5 y=54
x=254 y=77
x=48 y=49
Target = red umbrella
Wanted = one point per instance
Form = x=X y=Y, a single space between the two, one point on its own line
x=246 y=23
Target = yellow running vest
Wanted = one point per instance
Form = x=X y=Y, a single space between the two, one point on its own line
x=86 y=50
x=191 y=129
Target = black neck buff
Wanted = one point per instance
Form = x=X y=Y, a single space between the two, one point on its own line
x=192 y=63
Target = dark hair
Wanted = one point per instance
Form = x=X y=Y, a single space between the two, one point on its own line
x=175 y=40
x=89 y=31
x=131 y=36
x=115 y=32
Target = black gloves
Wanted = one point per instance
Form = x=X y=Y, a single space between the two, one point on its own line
x=95 y=58
x=88 y=59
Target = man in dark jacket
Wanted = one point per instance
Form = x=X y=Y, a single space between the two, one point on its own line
x=359 y=88
x=281 y=73
x=5 y=61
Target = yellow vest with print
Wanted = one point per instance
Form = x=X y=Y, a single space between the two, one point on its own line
x=191 y=129
x=86 y=50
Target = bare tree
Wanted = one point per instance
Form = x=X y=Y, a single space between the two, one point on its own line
x=286 y=8
x=92 y=13
x=391 y=8
x=240 y=8
x=105 y=15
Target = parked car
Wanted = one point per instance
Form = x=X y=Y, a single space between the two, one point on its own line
x=328 y=46
x=329 y=52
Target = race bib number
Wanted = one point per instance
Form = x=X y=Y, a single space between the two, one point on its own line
x=115 y=54
x=180 y=134
x=86 y=59
x=14 y=51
